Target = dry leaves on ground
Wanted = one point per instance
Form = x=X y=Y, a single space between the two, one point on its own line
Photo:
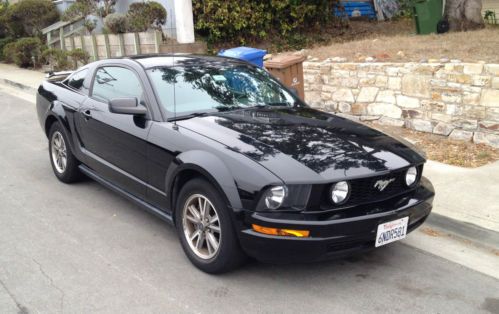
x=445 y=150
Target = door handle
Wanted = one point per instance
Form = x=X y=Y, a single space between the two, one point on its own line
x=87 y=114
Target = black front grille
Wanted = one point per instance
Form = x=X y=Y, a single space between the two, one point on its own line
x=363 y=191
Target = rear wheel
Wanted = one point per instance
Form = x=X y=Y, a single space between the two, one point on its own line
x=205 y=228
x=64 y=163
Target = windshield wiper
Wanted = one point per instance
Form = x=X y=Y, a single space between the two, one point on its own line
x=186 y=116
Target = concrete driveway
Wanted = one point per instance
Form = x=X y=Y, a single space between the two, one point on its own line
x=81 y=248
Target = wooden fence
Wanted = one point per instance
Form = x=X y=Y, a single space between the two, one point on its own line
x=104 y=46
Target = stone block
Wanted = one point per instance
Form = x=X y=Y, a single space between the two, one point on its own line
x=392 y=71
x=480 y=80
x=452 y=98
x=461 y=135
x=348 y=116
x=490 y=98
x=459 y=78
x=394 y=83
x=420 y=125
x=412 y=114
x=390 y=121
x=471 y=98
x=441 y=117
x=474 y=112
x=386 y=96
x=495 y=82
x=465 y=124
x=340 y=73
x=367 y=94
x=384 y=109
x=489 y=125
x=453 y=109
x=359 y=109
x=343 y=94
x=473 y=68
x=325 y=96
x=436 y=96
x=312 y=96
x=407 y=102
x=369 y=118
x=452 y=67
x=381 y=81
x=486 y=138
x=416 y=85
x=344 y=107
x=433 y=106
x=492 y=69
x=351 y=82
x=443 y=128
x=367 y=81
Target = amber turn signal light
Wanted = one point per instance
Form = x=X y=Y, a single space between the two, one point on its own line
x=281 y=232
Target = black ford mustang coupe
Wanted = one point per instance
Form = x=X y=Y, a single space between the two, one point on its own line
x=238 y=163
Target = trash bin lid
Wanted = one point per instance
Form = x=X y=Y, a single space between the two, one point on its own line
x=283 y=61
x=244 y=53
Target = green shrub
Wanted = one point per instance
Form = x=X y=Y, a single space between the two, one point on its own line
x=56 y=58
x=8 y=52
x=27 y=51
x=29 y=17
x=3 y=43
x=143 y=15
x=250 y=20
x=116 y=23
x=78 y=56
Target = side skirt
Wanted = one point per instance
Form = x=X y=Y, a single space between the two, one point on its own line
x=144 y=205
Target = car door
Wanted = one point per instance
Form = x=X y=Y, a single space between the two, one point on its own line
x=115 y=144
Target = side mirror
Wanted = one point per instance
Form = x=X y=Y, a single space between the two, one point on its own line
x=293 y=90
x=127 y=106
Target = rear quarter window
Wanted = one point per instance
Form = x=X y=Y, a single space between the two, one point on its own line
x=77 y=80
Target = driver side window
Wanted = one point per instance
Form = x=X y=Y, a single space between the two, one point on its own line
x=116 y=82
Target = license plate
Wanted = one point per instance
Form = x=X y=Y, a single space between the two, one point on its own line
x=391 y=231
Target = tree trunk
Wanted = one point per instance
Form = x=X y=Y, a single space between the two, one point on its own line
x=464 y=15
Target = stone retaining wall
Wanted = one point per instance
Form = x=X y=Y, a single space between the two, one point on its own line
x=455 y=99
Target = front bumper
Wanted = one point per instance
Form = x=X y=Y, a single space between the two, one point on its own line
x=331 y=235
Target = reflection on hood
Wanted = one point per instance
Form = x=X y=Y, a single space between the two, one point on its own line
x=328 y=145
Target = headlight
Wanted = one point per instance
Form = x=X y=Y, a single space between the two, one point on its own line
x=274 y=196
x=340 y=192
x=411 y=176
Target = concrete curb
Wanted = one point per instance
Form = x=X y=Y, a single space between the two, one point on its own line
x=466 y=230
x=22 y=87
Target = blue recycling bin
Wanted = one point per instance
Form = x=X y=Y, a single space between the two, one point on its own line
x=252 y=55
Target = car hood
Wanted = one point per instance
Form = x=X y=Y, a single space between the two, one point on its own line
x=305 y=145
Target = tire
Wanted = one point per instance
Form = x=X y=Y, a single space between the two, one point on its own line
x=64 y=163
x=228 y=255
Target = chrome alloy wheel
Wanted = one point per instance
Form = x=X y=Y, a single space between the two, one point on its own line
x=58 y=152
x=201 y=226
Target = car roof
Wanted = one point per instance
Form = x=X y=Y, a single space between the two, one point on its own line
x=180 y=59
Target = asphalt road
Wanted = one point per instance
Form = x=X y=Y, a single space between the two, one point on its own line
x=81 y=248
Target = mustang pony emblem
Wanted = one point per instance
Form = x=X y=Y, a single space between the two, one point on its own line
x=382 y=184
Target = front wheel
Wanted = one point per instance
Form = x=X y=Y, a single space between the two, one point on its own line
x=205 y=228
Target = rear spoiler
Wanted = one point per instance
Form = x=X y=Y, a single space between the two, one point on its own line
x=52 y=74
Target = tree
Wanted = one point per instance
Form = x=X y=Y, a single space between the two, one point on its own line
x=28 y=17
x=464 y=14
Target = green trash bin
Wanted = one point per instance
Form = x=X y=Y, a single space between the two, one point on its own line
x=427 y=14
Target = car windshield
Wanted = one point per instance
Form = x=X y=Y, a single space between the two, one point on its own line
x=203 y=89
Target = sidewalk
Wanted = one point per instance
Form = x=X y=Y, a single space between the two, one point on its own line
x=26 y=80
x=466 y=201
